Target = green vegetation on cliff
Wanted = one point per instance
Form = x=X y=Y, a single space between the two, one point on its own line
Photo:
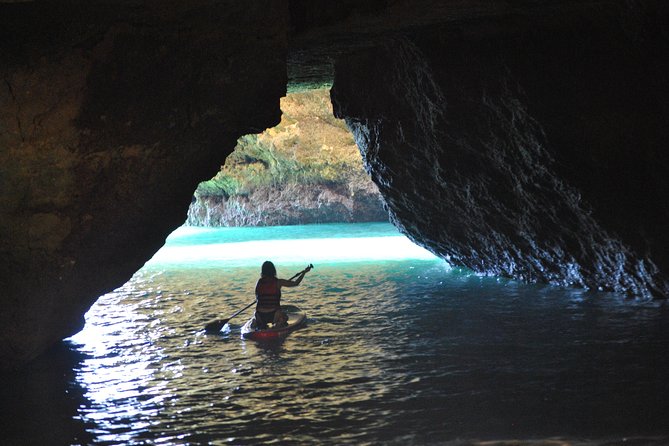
x=306 y=169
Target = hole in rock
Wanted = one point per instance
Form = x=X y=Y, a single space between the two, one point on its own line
x=305 y=170
x=295 y=194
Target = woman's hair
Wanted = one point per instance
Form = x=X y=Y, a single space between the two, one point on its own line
x=268 y=269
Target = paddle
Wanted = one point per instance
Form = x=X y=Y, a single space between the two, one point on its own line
x=215 y=326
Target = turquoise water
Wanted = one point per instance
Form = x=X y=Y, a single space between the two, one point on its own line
x=399 y=348
x=329 y=244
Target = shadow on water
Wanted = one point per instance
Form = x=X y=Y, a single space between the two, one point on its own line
x=40 y=403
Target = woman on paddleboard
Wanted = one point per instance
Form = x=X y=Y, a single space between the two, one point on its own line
x=268 y=295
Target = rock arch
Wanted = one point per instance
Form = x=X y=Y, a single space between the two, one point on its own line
x=515 y=137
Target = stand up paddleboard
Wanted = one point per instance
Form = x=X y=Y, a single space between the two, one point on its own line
x=296 y=319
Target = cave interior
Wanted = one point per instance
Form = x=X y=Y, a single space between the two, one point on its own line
x=520 y=138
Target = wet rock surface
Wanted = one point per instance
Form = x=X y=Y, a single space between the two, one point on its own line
x=538 y=155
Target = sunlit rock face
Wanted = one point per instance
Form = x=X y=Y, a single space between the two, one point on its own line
x=305 y=170
x=109 y=118
x=535 y=148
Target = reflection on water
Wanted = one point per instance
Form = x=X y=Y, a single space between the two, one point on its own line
x=406 y=351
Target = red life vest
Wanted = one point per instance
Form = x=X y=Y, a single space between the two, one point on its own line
x=268 y=293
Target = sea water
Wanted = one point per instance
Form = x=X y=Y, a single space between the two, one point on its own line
x=399 y=348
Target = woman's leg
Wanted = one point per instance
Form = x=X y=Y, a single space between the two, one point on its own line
x=280 y=318
x=262 y=319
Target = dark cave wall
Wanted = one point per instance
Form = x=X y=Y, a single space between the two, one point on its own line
x=111 y=116
x=535 y=151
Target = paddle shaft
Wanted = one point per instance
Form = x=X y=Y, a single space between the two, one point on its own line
x=243 y=309
x=215 y=326
x=303 y=271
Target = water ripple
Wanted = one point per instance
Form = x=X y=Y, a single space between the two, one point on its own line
x=406 y=352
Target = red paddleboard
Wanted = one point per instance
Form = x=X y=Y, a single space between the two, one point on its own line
x=296 y=319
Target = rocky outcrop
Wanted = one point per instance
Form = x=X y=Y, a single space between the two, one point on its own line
x=307 y=169
x=290 y=204
x=538 y=153
x=516 y=137
x=110 y=117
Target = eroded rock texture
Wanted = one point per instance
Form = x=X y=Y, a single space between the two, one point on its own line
x=110 y=117
x=535 y=149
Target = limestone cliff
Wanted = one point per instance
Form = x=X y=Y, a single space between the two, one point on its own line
x=305 y=170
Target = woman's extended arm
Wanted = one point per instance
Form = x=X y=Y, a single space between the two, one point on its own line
x=296 y=281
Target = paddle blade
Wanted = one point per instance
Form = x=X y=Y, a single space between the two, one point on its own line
x=215 y=326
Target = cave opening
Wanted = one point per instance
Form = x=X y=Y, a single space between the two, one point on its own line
x=296 y=193
x=307 y=169
x=295 y=178
x=523 y=139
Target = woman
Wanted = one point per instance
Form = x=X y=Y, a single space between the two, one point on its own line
x=268 y=295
